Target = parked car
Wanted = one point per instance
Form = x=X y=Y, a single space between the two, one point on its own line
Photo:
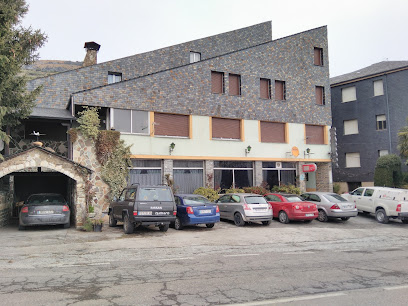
x=384 y=202
x=288 y=207
x=195 y=209
x=244 y=207
x=143 y=205
x=331 y=205
x=44 y=209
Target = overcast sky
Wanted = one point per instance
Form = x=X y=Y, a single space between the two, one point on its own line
x=360 y=32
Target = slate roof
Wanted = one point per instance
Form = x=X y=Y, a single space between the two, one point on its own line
x=374 y=69
x=51 y=113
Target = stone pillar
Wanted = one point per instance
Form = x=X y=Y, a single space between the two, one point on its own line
x=258 y=176
x=167 y=169
x=324 y=180
x=209 y=173
x=301 y=181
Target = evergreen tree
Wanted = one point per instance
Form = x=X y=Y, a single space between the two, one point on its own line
x=18 y=47
x=403 y=141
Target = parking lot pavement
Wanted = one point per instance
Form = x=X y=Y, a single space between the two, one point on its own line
x=201 y=266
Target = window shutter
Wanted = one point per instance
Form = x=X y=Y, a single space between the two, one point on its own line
x=314 y=134
x=234 y=85
x=226 y=128
x=272 y=132
x=171 y=125
x=265 y=89
x=318 y=56
x=350 y=127
x=378 y=88
x=217 y=82
x=348 y=94
x=320 y=95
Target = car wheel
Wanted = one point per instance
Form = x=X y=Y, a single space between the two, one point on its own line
x=112 y=221
x=266 y=222
x=307 y=221
x=322 y=217
x=381 y=216
x=238 y=220
x=177 y=224
x=283 y=217
x=209 y=225
x=67 y=225
x=128 y=226
x=164 y=227
x=405 y=221
x=345 y=218
x=21 y=228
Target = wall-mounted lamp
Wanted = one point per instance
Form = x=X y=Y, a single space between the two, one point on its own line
x=171 y=147
x=307 y=152
x=247 y=149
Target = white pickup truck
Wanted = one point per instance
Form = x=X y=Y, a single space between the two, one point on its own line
x=384 y=202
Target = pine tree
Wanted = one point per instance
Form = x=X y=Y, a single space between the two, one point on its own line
x=18 y=47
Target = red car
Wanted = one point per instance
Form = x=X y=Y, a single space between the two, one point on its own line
x=288 y=207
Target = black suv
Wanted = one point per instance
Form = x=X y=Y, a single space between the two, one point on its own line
x=143 y=205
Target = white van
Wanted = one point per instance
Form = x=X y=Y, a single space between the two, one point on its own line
x=384 y=202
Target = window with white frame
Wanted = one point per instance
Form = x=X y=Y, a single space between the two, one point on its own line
x=129 y=121
x=381 y=122
x=350 y=127
x=114 y=77
x=348 y=94
x=378 y=88
x=382 y=152
x=188 y=175
x=353 y=160
x=195 y=57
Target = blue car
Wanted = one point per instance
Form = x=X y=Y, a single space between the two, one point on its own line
x=195 y=209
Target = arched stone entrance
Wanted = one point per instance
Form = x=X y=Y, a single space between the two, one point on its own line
x=38 y=157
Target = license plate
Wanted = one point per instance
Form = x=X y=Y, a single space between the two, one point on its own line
x=161 y=213
x=309 y=215
x=45 y=212
x=205 y=211
x=144 y=213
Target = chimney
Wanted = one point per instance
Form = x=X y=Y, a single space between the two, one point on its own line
x=91 y=57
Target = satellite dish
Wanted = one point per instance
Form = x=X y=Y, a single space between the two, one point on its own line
x=1 y=145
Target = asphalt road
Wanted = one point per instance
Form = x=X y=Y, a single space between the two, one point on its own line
x=358 y=262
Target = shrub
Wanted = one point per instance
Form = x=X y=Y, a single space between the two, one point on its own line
x=88 y=226
x=105 y=144
x=234 y=190
x=286 y=189
x=209 y=193
x=89 y=122
x=256 y=190
x=336 y=188
x=388 y=171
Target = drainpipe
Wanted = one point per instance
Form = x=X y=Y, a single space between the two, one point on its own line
x=388 y=112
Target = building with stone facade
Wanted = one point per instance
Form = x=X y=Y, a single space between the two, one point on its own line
x=369 y=107
x=231 y=110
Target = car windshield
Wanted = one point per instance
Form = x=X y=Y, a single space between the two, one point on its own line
x=255 y=200
x=195 y=200
x=334 y=198
x=155 y=194
x=293 y=198
x=48 y=199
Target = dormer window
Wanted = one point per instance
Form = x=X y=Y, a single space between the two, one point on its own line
x=114 y=77
x=195 y=57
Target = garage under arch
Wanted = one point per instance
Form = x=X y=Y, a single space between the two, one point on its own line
x=38 y=170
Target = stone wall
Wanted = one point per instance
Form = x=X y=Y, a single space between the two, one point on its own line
x=84 y=153
x=324 y=181
x=5 y=211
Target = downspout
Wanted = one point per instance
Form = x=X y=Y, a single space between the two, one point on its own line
x=388 y=113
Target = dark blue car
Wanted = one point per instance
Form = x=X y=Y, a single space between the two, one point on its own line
x=195 y=209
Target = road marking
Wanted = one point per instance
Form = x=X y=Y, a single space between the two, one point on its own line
x=296 y=253
x=396 y=287
x=239 y=255
x=294 y=299
x=169 y=259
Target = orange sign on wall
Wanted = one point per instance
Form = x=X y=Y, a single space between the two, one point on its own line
x=295 y=151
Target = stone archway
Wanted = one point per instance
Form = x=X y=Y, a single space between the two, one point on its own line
x=39 y=157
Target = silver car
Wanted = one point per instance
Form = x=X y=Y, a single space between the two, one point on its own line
x=245 y=207
x=331 y=205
